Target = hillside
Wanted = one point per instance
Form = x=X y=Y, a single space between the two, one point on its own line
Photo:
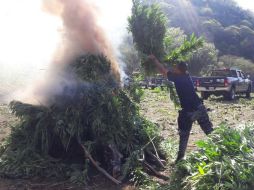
x=223 y=23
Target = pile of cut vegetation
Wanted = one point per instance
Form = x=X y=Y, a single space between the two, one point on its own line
x=92 y=126
x=224 y=161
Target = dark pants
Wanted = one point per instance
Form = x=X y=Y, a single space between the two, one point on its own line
x=184 y=127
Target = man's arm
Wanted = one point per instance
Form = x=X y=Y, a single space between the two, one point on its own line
x=161 y=68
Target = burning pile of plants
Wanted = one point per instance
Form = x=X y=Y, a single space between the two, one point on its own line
x=91 y=122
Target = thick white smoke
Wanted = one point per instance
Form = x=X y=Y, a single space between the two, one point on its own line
x=31 y=38
x=28 y=39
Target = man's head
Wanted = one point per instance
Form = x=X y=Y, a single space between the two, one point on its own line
x=181 y=68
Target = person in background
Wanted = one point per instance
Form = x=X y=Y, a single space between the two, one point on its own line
x=192 y=106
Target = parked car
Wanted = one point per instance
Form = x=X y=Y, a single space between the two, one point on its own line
x=153 y=82
x=144 y=83
x=160 y=81
x=226 y=82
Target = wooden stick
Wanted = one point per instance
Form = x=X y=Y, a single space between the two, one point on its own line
x=117 y=157
x=104 y=172
x=157 y=174
x=147 y=144
x=154 y=147
x=158 y=160
x=48 y=184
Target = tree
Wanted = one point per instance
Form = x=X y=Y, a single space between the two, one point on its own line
x=239 y=62
x=223 y=23
x=203 y=59
x=148 y=27
x=174 y=38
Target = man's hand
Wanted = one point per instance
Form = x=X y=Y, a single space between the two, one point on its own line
x=160 y=67
x=152 y=58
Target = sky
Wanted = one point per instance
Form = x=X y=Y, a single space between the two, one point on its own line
x=246 y=4
x=114 y=19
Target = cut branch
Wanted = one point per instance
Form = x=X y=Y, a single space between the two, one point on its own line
x=156 y=159
x=104 y=172
x=116 y=161
x=156 y=173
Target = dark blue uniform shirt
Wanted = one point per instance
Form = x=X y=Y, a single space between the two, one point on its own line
x=186 y=92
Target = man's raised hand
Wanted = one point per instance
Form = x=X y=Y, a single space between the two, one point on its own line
x=159 y=67
x=152 y=58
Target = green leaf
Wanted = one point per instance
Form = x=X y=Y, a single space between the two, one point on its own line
x=201 y=171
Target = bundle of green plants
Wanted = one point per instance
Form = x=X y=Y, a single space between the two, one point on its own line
x=224 y=161
x=183 y=53
x=173 y=94
x=148 y=27
x=92 y=121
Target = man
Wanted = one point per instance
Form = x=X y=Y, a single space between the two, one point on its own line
x=192 y=106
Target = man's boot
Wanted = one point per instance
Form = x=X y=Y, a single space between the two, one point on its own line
x=184 y=137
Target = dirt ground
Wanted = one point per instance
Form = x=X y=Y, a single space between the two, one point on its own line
x=156 y=107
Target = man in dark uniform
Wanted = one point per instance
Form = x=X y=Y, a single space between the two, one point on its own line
x=192 y=106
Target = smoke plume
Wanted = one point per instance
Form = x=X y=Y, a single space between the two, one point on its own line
x=40 y=37
x=81 y=32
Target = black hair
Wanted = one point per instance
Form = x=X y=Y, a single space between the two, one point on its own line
x=182 y=66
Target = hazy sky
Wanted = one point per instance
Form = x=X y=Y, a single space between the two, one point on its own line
x=114 y=19
x=246 y=4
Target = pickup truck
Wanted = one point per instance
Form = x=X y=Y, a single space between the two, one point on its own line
x=226 y=82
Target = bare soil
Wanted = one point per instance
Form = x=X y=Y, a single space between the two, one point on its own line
x=156 y=107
